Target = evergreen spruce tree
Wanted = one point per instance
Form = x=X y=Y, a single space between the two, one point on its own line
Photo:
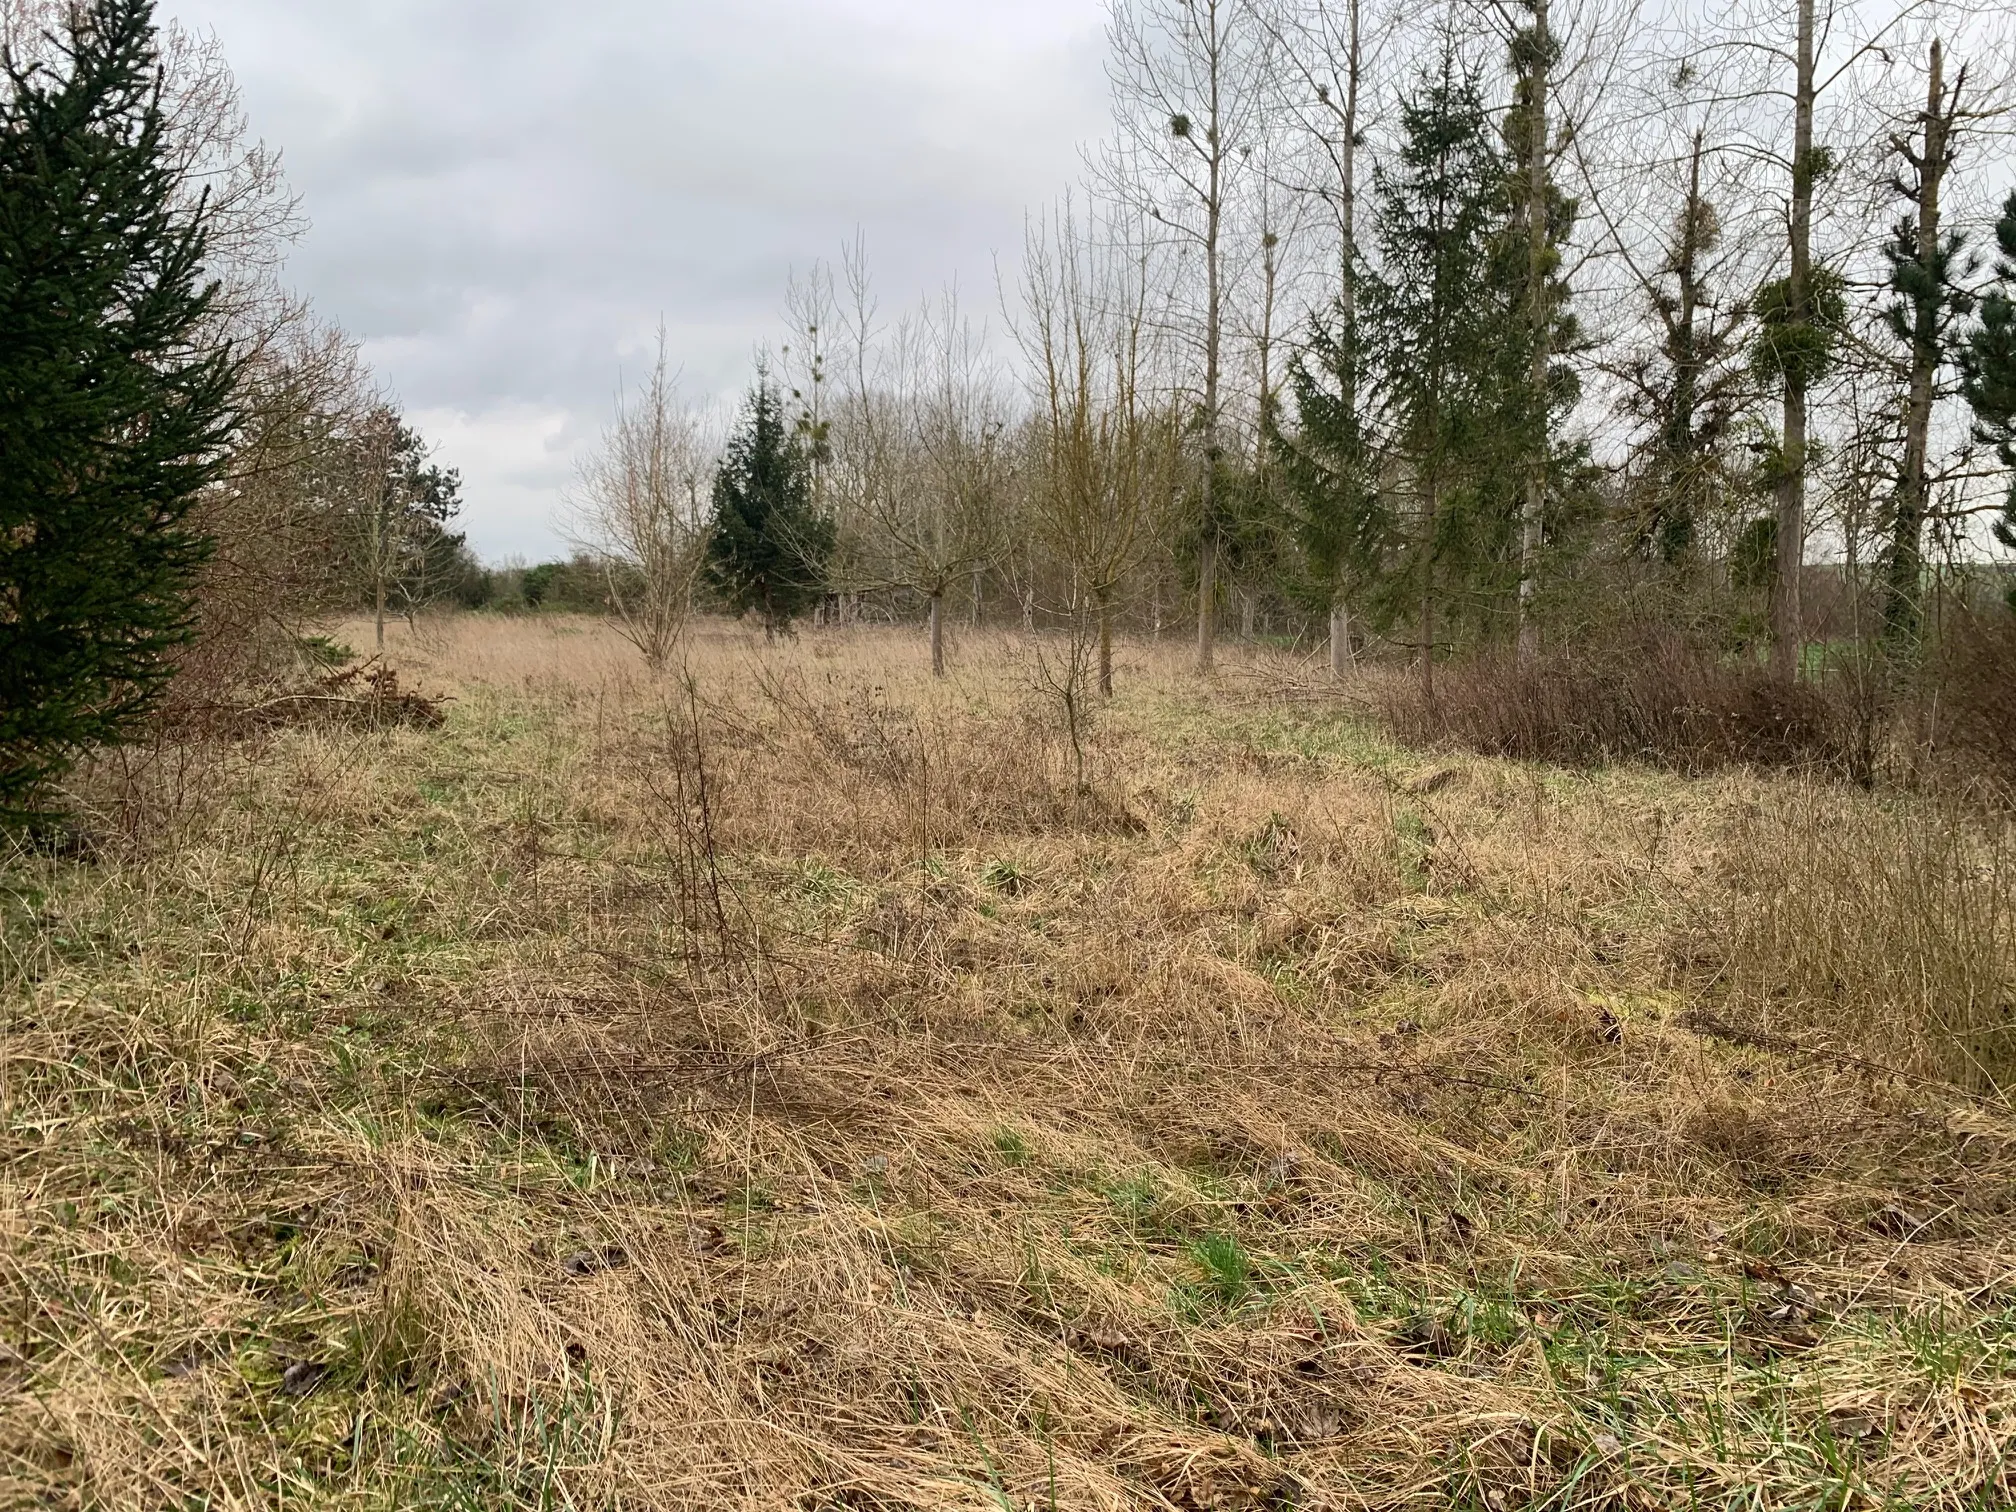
x=1326 y=466
x=115 y=402
x=1989 y=363
x=1446 y=347
x=768 y=547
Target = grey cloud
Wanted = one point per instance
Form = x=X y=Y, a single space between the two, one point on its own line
x=507 y=196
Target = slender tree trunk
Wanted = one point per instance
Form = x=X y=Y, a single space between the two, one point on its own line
x=979 y=585
x=1246 y=614
x=1431 y=507
x=379 y=586
x=938 y=633
x=1787 y=631
x=1905 y=568
x=1347 y=294
x=1532 y=531
x=1270 y=273
x=1214 y=213
x=1105 y=645
x=1207 y=595
x=1342 y=662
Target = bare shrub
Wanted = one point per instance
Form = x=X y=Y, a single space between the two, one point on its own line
x=644 y=512
x=1650 y=697
x=1974 y=713
x=1890 y=927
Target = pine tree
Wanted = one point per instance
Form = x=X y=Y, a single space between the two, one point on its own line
x=115 y=401
x=768 y=547
x=1446 y=351
x=1989 y=363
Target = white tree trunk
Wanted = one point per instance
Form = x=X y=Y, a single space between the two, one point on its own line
x=1343 y=661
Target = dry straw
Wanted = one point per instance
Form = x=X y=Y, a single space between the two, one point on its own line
x=781 y=1087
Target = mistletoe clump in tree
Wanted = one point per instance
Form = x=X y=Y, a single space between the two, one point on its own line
x=768 y=546
x=115 y=398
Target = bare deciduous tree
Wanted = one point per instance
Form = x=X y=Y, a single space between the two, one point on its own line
x=1105 y=463
x=642 y=504
x=918 y=454
x=1190 y=81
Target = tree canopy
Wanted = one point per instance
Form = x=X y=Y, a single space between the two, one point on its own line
x=116 y=398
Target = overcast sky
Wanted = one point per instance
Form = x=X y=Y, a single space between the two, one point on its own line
x=506 y=195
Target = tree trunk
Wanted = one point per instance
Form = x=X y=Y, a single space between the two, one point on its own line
x=1246 y=615
x=1786 y=627
x=938 y=633
x=380 y=616
x=1532 y=533
x=979 y=585
x=1214 y=211
x=1207 y=596
x=1906 y=565
x=1429 y=512
x=1342 y=660
x=1105 y=646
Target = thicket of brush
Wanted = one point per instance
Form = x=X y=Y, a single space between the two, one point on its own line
x=1653 y=696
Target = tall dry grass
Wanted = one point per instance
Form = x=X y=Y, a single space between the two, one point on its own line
x=781 y=1087
x=1884 y=927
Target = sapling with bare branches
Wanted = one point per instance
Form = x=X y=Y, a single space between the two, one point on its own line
x=1105 y=445
x=395 y=505
x=643 y=502
x=918 y=454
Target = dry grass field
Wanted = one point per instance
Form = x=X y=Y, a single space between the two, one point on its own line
x=784 y=1090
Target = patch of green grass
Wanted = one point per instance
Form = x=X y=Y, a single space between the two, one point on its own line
x=1135 y=1198
x=1230 y=1275
x=821 y=884
x=1005 y=877
x=1414 y=842
x=748 y=1201
x=1011 y=1147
